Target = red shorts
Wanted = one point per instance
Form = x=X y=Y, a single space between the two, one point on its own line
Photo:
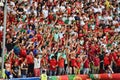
x=37 y=72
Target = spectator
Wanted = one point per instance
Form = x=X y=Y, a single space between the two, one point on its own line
x=86 y=66
x=118 y=65
x=16 y=70
x=79 y=64
x=73 y=63
x=37 y=66
x=96 y=63
x=44 y=63
x=53 y=66
x=43 y=76
x=8 y=70
x=30 y=62
x=107 y=64
x=24 y=69
x=61 y=65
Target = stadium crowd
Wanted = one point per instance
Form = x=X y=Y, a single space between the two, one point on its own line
x=61 y=37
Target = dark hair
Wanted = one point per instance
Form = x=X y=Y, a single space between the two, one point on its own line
x=53 y=57
x=43 y=47
x=43 y=71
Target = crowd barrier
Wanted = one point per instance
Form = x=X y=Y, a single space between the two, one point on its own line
x=78 y=77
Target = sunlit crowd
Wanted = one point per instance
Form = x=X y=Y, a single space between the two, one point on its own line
x=61 y=37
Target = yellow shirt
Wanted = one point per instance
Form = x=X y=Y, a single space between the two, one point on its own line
x=43 y=77
x=107 y=3
x=3 y=74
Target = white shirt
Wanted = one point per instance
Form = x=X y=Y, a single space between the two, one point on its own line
x=99 y=9
x=1 y=28
x=45 y=12
x=95 y=10
x=62 y=8
x=115 y=22
x=37 y=63
x=35 y=12
x=61 y=35
x=117 y=29
x=51 y=0
x=12 y=3
x=82 y=23
x=55 y=9
x=93 y=0
x=81 y=42
x=71 y=19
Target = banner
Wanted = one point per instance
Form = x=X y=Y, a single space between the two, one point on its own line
x=78 y=77
x=86 y=77
x=69 y=77
x=105 y=76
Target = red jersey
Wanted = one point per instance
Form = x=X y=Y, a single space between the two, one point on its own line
x=1 y=34
x=50 y=17
x=110 y=57
x=53 y=64
x=96 y=61
x=93 y=49
x=39 y=37
x=107 y=30
x=69 y=10
x=86 y=64
x=23 y=53
x=85 y=27
x=118 y=63
x=61 y=62
x=114 y=56
x=78 y=50
x=30 y=59
x=60 y=22
x=106 y=61
x=78 y=63
x=73 y=63
x=80 y=35
x=44 y=63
